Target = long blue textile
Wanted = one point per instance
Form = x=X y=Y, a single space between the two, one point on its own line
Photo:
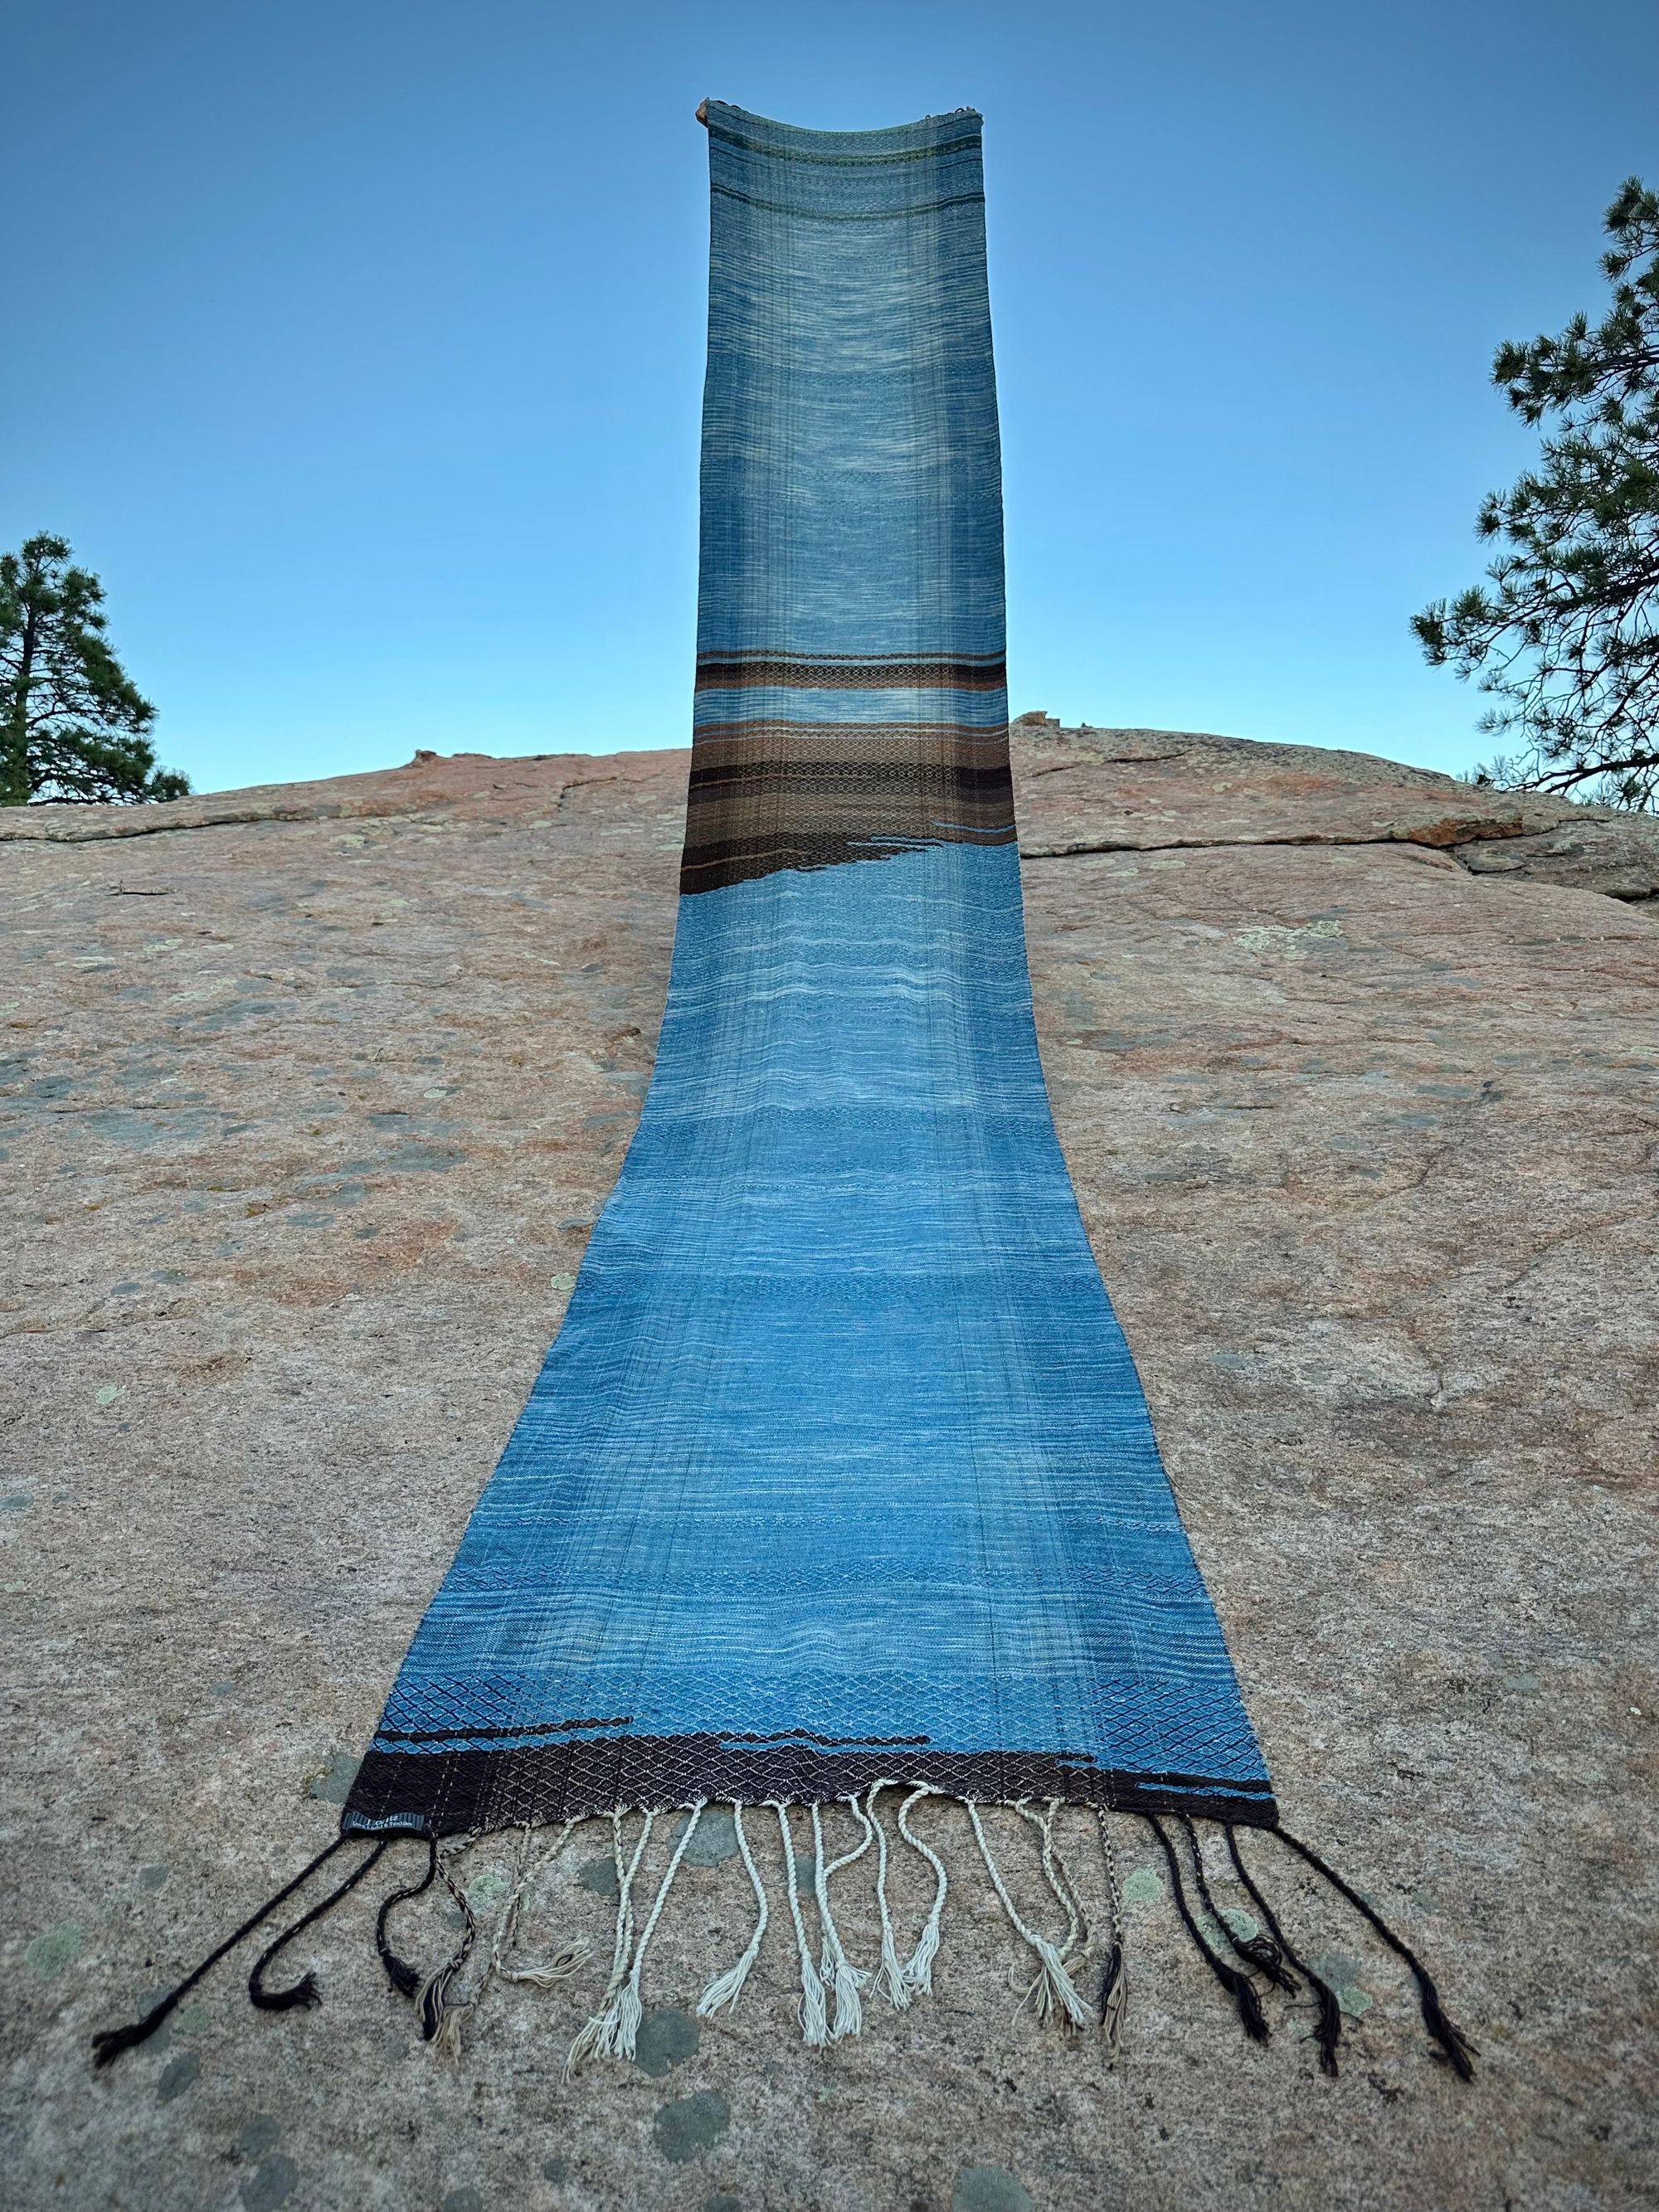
x=839 y=1469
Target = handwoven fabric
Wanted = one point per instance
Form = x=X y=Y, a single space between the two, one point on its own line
x=839 y=1470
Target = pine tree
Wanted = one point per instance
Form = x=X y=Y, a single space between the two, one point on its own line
x=72 y=724
x=1565 y=635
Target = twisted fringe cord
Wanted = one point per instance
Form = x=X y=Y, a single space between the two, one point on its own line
x=918 y=1968
x=1114 y=2000
x=1259 y=1951
x=1059 y=1878
x=1238 y=1987
x=835 y=1969
x=403 y=1977
x=1452 y=2046
x=509 y=1911
x=305 y=1991
x=1057 y=1990
x=1328 y=2027
x=563 y=1963
x=595 y=2035
x=454 y=2014
x=110 y=2042
x=814 y=2026
x=726 y=1988
x=630 y=2007
x=440 y=2014
x=890 y=1975
x=1037 y=1994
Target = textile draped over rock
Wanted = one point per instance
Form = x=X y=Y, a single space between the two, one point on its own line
x=839 y=1471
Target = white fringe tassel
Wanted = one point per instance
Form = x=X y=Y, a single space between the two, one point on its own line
x=1054 y=1990
x=1058 y=1874
x=598 y=2033
x=836 y=1970
x=563 y=1963
x=629 y=2005
x=725 y=1988
x=890 y=1975
x=918 y=1968
x=1115 y=1997
x=814 y=2026
x=612 y=2029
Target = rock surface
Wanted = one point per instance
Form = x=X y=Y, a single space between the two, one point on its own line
x=309 y=1097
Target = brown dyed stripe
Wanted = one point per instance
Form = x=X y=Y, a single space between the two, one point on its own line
x=480 y=1735
x=717 y=867
x=830 y=779
x=776 y=673
x=765 y=795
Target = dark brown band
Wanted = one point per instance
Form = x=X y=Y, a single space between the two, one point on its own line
x=784 y=671
x=454 y=1793
x=765 y=795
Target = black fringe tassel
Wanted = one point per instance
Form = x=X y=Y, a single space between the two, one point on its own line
x=111 y=2042
x=1453 y=2046
x=1265 y=1952
x=305 y=1991
x=1238 y=1987
x=1328 y=2027
x=403 y=1977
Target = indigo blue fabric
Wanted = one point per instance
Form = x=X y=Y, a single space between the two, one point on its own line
x=840 y=1469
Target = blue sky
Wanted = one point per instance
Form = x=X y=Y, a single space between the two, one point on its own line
x=362 y=347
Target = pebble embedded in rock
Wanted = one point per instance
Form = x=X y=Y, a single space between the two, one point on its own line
x=271 y=2183
x=988 y=2188
x=556 y=2170
x=176 y=2076
x=600 y=1876
x=722 y=2201
x=691 y=2126
x=152 y=1877
x=664 y=2039
x=333 y=1784
x=258 y=2136
x=464 y=2199
x=487 y=1890
x=55 y=1948
x=715 y=1840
